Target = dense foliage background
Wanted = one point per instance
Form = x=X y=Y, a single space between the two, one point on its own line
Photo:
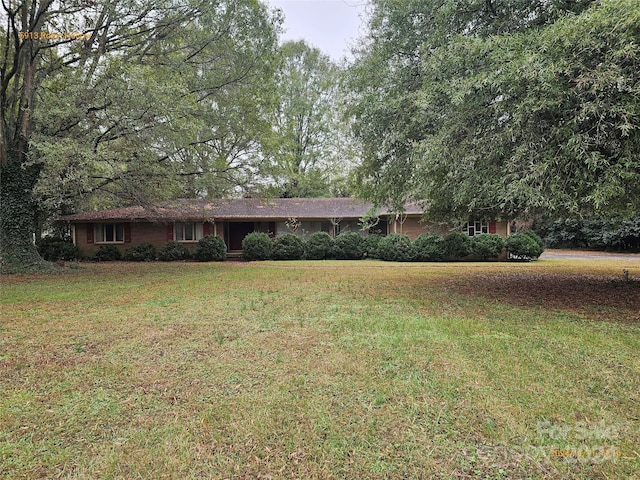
x=488 y=108
x=592 y=233
x=483 y=109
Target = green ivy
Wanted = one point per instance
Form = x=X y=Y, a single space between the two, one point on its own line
x=18 y=252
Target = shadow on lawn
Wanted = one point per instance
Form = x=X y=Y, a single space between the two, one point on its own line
x=597 y=296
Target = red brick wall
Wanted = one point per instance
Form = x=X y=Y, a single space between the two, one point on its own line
x=501 y=229
x=156 y=233
x=153 y=233
x=410 y=227
x=219 y=229
x=413 y=226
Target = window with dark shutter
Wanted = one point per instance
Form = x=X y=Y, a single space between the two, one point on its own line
x=108 y=233
x=89 y=232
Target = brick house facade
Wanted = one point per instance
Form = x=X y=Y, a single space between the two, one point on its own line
x=187 y=221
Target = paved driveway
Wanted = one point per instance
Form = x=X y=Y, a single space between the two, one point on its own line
x=587 y=255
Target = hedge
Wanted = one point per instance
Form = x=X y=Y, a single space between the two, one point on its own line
x=522 y=247
x=396 y=247
x=256 y=246
x=348 y=246
x=429 y=248
x=370 y=245
x=487 y=245
x=145 y=252
x=319 y=246
x=287 y=247
x=619 y=234
x=56 y=248
x=457 y=245
x=107 y=253
x=174 y=251
x=211 y=248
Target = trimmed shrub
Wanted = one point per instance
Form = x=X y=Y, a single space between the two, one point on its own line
x=370 y=245
x=522 y=247
x=348 y=246
x=287 y=247
x=107 y=253
x=487 y=245
x=536 y=238
x=319 y=246
x=211 y=248
x=174 y=251
x=429 y=248
x=145 y=252
x=256 y=246
x=457 y=245
x=396 y=247
x=55 y=248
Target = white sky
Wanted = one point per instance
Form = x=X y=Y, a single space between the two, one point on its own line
x=330 y=25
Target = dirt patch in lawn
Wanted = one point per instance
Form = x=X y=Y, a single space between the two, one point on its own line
x=597 y=296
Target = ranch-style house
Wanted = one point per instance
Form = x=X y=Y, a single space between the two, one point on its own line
x=187 y=221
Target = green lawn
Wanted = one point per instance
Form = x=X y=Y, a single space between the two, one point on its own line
x=322 y=370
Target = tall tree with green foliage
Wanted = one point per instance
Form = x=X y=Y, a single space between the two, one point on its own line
x=306 y=151
x=540 y=121
x=490 y=108
x=125 y=98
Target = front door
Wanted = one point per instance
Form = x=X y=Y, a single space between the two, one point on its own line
x=237 y=232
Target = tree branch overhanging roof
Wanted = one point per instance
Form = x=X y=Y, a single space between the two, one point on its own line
x=238 y=209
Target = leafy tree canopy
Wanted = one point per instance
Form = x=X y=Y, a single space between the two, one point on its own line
x=489 y=108
x=108 y=101
x=308 y=151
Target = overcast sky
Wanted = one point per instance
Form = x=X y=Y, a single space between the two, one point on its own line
x=331 y=25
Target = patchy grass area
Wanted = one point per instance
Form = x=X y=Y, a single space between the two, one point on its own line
x=322 y=370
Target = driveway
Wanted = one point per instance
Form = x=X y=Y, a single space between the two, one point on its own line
x=588 y=255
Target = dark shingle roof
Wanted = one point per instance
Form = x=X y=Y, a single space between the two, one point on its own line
x=238 y=209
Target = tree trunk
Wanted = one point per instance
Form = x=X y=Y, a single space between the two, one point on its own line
x=18 y=177
x=17 y=218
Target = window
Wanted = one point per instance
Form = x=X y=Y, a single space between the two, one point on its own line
x=475 y=228
x=348 y=226
x=109 y=233
x=380 y=228
x=187 y=232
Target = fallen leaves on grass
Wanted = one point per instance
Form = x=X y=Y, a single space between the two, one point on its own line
x=597 y=296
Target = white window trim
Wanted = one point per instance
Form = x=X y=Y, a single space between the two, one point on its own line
x=196 y=230
x=98 y=226
x=483 y=228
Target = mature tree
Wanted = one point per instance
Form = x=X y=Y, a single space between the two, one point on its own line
x=540 y=121
x=123 y=97
x=489 y=107
x=385 y=80
x=306 y=151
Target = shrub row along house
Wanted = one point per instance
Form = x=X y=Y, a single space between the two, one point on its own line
x=187 y=221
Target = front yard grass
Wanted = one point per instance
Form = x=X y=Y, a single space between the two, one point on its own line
x=322 y=370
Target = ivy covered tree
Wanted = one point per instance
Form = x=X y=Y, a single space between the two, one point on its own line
x=107 y=101
x=491 y=108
